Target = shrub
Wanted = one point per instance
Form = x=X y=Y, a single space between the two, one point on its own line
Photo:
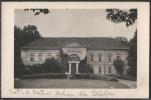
x=20 y=69
x=37 y=68
x=84 y=67
x=45 y=75
x=51 y=65
x=119 y=65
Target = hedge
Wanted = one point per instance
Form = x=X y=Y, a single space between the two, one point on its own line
x=44 y=75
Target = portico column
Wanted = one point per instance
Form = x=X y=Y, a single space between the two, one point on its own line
x=69 y=68
x=77 y=68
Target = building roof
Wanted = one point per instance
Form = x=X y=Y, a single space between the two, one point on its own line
x=92 y=43
x=73 y=45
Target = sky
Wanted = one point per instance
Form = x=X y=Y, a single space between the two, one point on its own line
x=74 y=23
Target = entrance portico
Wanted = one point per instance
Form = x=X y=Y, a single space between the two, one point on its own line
x=76 y=52
x=73 y=61
x=71 y=67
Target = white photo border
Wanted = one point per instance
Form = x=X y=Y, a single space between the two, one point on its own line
x=7 y=74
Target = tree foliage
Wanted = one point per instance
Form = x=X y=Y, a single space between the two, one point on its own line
x=119 y=65
x=38 y=11
x=51 y=65
x=64 y=61
x=129 y=18
x=117 y=16
x=20 y=69
x=84 y=67
x=24 y=36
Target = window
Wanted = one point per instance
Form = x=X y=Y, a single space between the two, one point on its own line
x=109 y=58
x=40 y=56
x=48 y=55
x=91 y=57
x=99 y=69
x=118 y=57
x=100 y=57
x=105 y=70
x=32 y=56
x=109 y=70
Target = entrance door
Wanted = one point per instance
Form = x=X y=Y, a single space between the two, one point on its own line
x=73 y=68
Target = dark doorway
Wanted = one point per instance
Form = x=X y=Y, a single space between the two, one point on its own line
x=73 y=68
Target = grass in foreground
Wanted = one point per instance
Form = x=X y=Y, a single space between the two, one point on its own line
x=64 y=83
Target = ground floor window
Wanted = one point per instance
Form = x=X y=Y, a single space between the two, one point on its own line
x=105 y=70
x=48 y=55
x=109 y=70
x=40 y=56
x=100 y=69
x=32 y=56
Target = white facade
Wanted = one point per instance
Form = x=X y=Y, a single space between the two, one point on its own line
x=103 y=60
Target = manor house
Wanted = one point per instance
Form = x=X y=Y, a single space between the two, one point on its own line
x=99 y=52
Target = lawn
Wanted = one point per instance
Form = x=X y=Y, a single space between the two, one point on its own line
x=64 y=83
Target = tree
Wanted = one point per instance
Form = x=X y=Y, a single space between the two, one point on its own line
x=84 y=67
x=119 y=65
x=64 y=61
x=117 y=16
x=24 y=36
x=38 y=11
x=129 y=18
x=132 y=57
x=20 y=69
x=51 y=65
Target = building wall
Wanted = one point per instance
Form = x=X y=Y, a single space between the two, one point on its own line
x=102 y=65
x=27 y=56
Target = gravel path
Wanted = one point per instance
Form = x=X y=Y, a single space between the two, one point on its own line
x=131 y=84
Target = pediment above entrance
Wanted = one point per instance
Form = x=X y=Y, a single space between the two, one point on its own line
x=75 y=48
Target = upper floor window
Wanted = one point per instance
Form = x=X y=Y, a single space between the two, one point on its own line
x=48 y=55
x=32 y=56
x=109 y=57
x=100 y=57
x=91 y=57
x=109 y=70
x=40 y=56
x=118 y=56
